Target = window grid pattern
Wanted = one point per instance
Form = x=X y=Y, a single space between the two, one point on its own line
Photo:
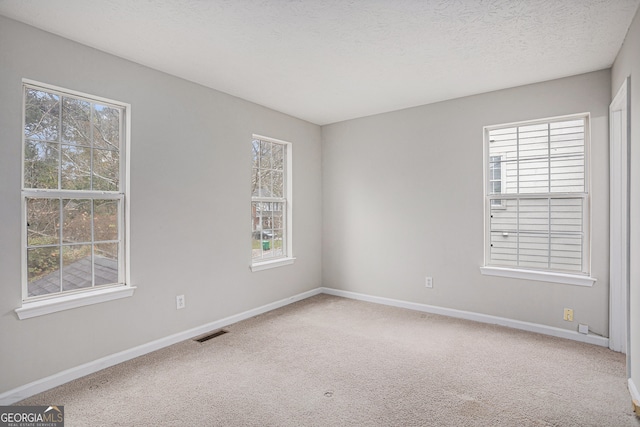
x=72 y=195
x=268 y=200
x=537 y=216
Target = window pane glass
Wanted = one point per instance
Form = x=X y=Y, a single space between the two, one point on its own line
x=504 y=216
x=278 y=219
x=76 y=167
x=533 y=238
x=267 y=218
x=255 y=183
x=43 y=222
x=266 y=184
x=41 y=164
x=262 y=226
x=509 y=170
x=106 y=130
x=267 y=245
x=76 y=267
x=567 y=138
x=76 y=226
x=277 y=158
x=278 y=184
x=255 y=216
x=566 y=252
x=503 y=142
x=533 y=215
x=265 y=154
x=76 y=121
x=278 y=243
x=567 y=174
x=567 y=145
x=566 y=216
x=106 y=170
x=533 y=250
x=105 y=219
x=255 y=153
x=534 y=176
x=256 y=246
x=504 y=247
x=533 y=141
x=106 y=263
x=528 y=131
x=43 y=271
x=495 y=168
x=42 y=115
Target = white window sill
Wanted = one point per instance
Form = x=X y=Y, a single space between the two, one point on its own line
x=541 y=276
x=66 y=302
x=265 y=265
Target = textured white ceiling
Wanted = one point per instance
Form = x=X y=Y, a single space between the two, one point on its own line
x=331 y=60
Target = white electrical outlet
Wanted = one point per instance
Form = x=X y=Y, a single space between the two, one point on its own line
x=582 y=328
x=180 y=303
x=429 y=282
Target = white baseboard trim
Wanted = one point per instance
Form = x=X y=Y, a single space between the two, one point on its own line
x=633 y=390
x=27 y=390
x=477 y=317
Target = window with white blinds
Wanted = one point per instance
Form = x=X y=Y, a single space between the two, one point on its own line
x=537 y=215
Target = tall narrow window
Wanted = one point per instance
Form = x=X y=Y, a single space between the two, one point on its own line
x=537 y=194
x=73 y=192
x=270 y=202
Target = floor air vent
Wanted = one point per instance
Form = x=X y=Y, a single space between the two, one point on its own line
x=211 y=336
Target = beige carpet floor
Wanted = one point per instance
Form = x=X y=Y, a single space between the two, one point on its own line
x=329 y=361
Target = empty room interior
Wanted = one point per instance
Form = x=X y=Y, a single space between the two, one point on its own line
x=333 y=191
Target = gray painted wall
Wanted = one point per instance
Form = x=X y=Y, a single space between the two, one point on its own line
x=190 y=207
x=403 y=199
x=628 y=64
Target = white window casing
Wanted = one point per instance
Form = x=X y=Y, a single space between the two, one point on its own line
x=271 y=203
x=75 y=208
x=537 y=225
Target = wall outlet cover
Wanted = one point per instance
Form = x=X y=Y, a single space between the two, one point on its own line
x=583 y=329
x=180 y=302
x=568 y=314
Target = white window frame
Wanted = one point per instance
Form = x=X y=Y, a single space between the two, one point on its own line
x=287 y=258
x=546 y=275
x=46 y=304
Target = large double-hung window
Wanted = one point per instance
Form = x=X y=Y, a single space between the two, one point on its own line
x=537 y=196
x=73 y=195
